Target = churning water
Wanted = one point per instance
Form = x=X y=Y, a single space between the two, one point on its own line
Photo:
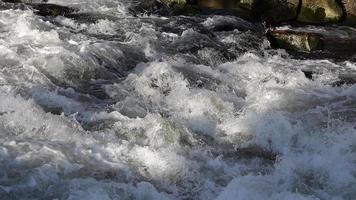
x=109 y=105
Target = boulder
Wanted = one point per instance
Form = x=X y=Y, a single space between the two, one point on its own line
x=337 y=43
x=296 y=41
x=51 y=9
x=165 y=7
x=247 y=4
x=350 y=8
x=320 y=11
x=25 y=1
x=218 y=7
x=272 y=11
x=275 y=11
x=176 y=2
x=214 y=4
x=40 y=7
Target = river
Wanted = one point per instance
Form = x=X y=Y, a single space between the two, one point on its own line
x=114 y=105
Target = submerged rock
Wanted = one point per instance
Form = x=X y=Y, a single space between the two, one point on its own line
x=296 y=41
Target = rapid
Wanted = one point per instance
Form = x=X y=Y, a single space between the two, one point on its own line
x=131 y=106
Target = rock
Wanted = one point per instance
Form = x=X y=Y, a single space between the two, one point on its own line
x=178 y=2
x=272 y=11
x=340 y=46
x=320 y=11
x=296 y=41
x=217 y=4
x=350 y=8
x=217 y=7
x=275 y=11
x=249 y=152
x=90 y=17
x=257 y=151
x=337 y=43
x=51 y=9
x=25 y=1
x=163 y=7
x=346 y=79
x=39 y=7
x=247 y=3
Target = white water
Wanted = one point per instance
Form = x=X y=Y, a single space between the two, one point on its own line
x=152 y=108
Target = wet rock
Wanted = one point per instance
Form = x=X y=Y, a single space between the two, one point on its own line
x=346 y=79
x=148 y=7
x=163 y=7
x=217 y=4
x=25 y=1
x=334 y=42
x=51 y=9
x=275 y=11
x=247 y=4
x=40 y=7
x=340 y=46
x=272 y=11
x=89 y=17
x=257 y=151
x=249 y=152
x=320 y=11
x=178 y=2
x=307 y=11
x=221 y=7
x=350 y=8
x=296 y=41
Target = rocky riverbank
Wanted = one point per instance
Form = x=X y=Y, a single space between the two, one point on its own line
x=311 y=24
x=300 y=16
x=305 y=28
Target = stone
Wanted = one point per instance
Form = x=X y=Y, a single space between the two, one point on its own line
x=350 y=8
x=337 y=43
x=247 y=3
x=320 y=11
x=275 y=11
x=296 y=41
x=51 y=9
x=217 y=7
x=25 y=1
x=214 y=4
x=39 y=7
x=272 y=11
x=177 y=2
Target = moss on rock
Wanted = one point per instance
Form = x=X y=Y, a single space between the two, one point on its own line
x=320 y=11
